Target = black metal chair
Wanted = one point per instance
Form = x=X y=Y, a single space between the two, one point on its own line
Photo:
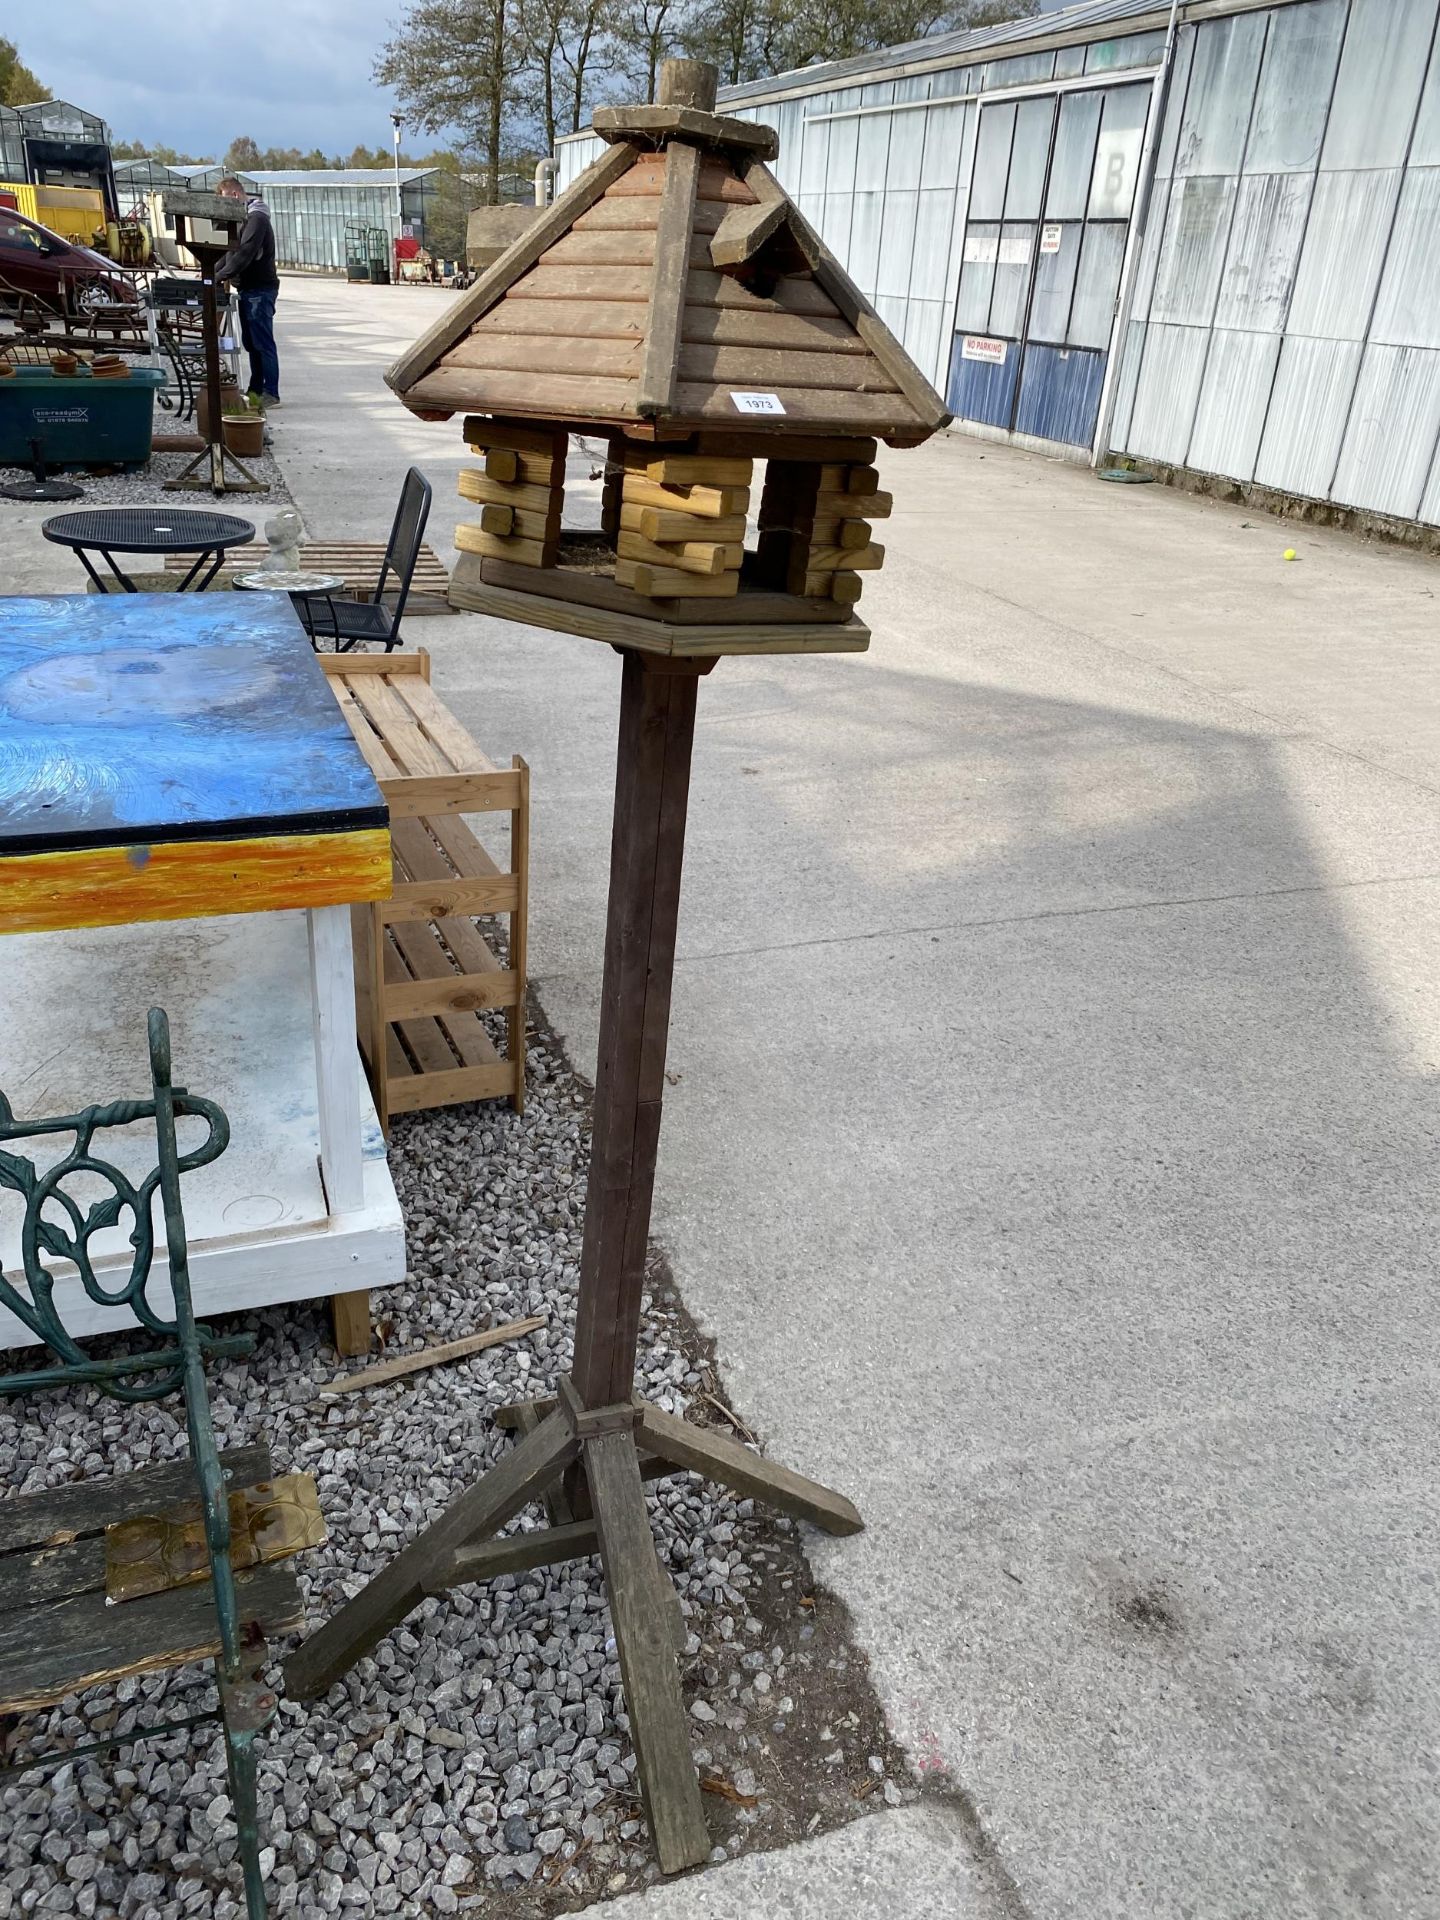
x=347 y=624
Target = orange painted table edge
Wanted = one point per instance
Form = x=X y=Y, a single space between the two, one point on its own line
x=191 y=879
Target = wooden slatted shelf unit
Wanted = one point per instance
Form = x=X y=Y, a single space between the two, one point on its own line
x=357 y=561
x=425 y=974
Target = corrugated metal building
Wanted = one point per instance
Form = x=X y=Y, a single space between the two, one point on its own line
x=1207 y=235
x=53 y=143
x=311 y=208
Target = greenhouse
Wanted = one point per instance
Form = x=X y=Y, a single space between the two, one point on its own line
x=1206 y=235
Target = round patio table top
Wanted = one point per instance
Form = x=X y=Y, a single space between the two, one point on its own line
x=300 y=580
x=148 y=530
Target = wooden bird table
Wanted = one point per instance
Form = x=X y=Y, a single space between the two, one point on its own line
x=589 y=1452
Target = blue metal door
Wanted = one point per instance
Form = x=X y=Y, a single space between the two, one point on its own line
x=1051 y=195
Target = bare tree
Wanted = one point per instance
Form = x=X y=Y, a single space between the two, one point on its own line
x=458 y=63
x=566 y=49
x=748 y=39
x=646 y=31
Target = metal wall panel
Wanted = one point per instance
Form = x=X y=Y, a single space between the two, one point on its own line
x=1132 y=354
x=1344 y=248
x=1425 y=147
x=1021 y=70
x=907 y=150
x=1096 y=284
x=1055 y=286
x=1029 y=153
x=787 y=117
x=1220 y=94
x=1192 y=252
x=1059 y=394
x=934 y=213
x=1074 y=158
x=844 y=142
x=1306 y=421
x=1148 y=259
x=1131 y=50
x=1117 y=153
x=1012 y=278
x=944 y=142
x=1234 y=399
x=1181 y=63
x=1407 y=313
x=1069 y=61
x=866 y=225
x=977 y=278
x=897 y=242
x=815 y=156
x=1394 y=422
x=893 y=312
x=924 y=328
x=1296 y=78
x=1166 y=393
x=980 y=390
x=872 y=149
x=957 y=80
x=1265 y=237
x=573 y=157
x=992 y=162
x=837 y=212
x=1430 y=504
x=1387 y=47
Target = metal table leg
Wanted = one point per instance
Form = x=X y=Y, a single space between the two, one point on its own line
x=100 y=584
x=200 y=559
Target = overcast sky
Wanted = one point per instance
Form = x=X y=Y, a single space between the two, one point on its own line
x=192 y=74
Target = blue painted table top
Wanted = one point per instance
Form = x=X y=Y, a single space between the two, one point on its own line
x=169 y=716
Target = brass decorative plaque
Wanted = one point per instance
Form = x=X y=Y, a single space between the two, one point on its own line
x=156 y=1551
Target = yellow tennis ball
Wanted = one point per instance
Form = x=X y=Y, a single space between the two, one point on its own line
x=1290 y=554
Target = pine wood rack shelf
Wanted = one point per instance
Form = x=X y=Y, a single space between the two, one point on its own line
x=425 y=974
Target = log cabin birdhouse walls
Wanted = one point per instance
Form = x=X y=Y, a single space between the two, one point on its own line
x=674 y=303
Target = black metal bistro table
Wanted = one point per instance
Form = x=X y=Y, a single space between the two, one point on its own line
x=111 y=530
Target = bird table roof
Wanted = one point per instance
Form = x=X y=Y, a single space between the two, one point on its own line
x=673 y=288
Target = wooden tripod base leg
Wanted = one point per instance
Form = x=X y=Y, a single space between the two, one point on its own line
x=642 y=1605
x=669 y=1445
x=718 y=1457
x=540 y=1458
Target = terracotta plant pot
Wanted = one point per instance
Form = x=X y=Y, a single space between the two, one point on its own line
x=244 y=433
x=231 y=401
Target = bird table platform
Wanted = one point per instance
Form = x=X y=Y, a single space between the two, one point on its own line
x=716 y=331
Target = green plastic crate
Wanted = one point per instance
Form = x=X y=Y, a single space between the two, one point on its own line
x=78 y=420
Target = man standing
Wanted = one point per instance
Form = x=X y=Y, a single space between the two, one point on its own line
x=250 y=267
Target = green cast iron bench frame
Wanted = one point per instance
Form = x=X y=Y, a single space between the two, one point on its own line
x=57 y=1633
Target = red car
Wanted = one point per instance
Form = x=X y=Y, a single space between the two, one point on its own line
x=39 y=269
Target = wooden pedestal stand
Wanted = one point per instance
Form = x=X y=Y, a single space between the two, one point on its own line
x=222 y=465
x=588 y=1453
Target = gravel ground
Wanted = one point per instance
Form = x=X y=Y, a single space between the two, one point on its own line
x=480 y=1760
x=146 y=487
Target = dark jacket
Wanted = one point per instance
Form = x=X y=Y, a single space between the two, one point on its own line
x=250 y=263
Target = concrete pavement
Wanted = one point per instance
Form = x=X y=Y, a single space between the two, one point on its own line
x=1051 y=1149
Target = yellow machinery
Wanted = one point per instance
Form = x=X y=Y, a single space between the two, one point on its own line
x=75 y=213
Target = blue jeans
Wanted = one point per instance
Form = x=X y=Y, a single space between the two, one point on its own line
x=257 y=330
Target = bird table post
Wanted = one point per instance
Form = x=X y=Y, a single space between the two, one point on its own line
x=751 y=344
x=185 y=206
